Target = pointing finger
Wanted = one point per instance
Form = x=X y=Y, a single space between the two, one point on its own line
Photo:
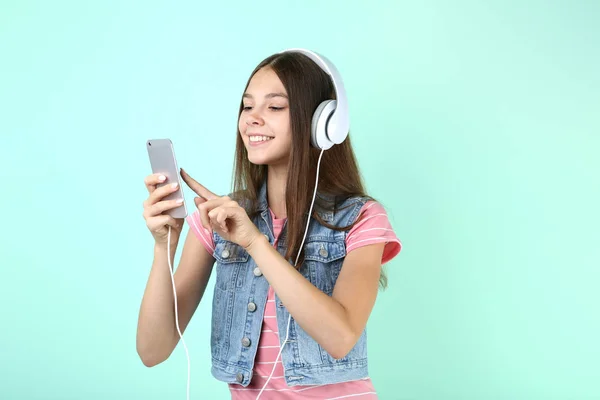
x=197 y=187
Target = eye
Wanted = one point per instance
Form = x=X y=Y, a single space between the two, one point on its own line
x=276 y=108
x=246 y=108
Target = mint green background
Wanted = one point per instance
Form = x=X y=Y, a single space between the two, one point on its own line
x=475 y=124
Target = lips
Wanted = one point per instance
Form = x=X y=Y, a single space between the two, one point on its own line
x=256 y=139
x=258 y=134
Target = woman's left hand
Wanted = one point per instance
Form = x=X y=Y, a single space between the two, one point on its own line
x=223 y=215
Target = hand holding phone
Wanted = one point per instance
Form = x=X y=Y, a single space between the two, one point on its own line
x=165 y=205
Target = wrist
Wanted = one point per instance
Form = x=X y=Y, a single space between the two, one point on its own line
x=162 y=247
x=258 y=240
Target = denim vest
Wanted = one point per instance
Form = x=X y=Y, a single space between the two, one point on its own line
x=240 y=295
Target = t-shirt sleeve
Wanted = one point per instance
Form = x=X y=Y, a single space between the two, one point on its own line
x=203 y=234
x=374 y=226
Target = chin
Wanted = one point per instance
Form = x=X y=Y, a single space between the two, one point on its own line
x=267 y=156
x=264 y=159
x=258 y=159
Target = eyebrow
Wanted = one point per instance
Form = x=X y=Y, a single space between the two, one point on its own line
x=267 y=96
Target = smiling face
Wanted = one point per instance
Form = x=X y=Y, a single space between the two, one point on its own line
x=264 y=123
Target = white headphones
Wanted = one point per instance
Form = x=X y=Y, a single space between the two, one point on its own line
x=331 y=119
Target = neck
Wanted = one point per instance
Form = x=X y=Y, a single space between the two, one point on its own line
x=276 y=182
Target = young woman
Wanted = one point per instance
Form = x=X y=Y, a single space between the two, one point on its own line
x=291 y=300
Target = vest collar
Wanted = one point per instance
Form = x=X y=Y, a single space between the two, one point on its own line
x=263 y=205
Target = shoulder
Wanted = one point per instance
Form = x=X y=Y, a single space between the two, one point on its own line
x=373 y=226
x=372 y=209
x=340 y=211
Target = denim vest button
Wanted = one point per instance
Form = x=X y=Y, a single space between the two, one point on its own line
x=251 y=307
x=257 y=272
x=225 y=253
x=245 y=342
x=239 y=377
x=323 y=252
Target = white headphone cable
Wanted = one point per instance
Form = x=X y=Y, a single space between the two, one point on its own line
x=290 y=316
x=176 y=316
x=297 y=257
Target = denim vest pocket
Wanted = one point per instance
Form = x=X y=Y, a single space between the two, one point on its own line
x=322 y=262
x=231 y=264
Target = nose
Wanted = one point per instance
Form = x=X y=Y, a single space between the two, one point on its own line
x=253 y=118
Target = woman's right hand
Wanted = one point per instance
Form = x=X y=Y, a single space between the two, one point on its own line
x=154 y=206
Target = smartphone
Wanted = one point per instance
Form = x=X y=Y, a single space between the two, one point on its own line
x=163 y=161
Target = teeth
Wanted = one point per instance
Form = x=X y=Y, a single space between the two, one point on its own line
x=259 y=138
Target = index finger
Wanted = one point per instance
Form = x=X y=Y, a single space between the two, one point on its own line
x=197 y=187
x=151 y=181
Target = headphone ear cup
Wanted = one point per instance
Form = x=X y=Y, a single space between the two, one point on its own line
x=318 y=132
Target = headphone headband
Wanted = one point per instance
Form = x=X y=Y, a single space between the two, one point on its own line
x=339 y=123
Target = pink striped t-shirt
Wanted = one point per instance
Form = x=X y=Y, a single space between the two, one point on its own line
x=373 y=227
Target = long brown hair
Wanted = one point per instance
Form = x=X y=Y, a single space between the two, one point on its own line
x=307 y=85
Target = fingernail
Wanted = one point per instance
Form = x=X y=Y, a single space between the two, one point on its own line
x=179 y=201
x=174 y=185
x=161 y=178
